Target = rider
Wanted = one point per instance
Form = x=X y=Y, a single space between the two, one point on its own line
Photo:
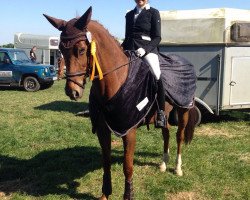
x=143 y=34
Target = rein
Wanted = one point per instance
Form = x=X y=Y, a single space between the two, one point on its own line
x=116 y=68
x=86 y=73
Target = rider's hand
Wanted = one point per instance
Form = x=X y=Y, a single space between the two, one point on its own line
x=140 y=52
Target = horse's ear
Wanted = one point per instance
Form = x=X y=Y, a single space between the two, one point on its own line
x=83 y=21
x=57 y=23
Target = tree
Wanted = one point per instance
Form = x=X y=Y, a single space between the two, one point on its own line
x=10 y=45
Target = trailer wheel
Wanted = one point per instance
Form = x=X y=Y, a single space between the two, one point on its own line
x=174 y=116
x=31 y=84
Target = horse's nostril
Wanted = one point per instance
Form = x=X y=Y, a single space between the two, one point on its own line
x=75 y=94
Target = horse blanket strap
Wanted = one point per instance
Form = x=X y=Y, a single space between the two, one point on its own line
x=179 y=79
x=130 y=105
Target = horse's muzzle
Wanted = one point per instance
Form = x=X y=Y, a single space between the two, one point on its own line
x=73 y=94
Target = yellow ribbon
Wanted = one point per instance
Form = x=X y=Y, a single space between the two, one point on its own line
x=95 y=62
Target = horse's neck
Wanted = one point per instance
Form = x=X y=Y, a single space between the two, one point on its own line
x=110 y=56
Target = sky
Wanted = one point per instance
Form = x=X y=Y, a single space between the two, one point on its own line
x=26 y=16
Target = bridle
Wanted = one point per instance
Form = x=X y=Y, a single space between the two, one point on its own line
x=86 y=73
x=70 y=75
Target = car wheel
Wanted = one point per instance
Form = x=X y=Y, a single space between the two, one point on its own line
x=31 y=84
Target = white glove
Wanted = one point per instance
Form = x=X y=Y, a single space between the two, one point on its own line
x=140 y=52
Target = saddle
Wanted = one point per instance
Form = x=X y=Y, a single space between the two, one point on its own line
x=134 y=100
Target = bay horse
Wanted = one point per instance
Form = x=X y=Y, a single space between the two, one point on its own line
x=76 y=37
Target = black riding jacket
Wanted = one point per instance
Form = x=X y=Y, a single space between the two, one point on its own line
x=147 y=24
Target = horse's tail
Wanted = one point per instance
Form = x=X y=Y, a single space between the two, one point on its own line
x=189 y=130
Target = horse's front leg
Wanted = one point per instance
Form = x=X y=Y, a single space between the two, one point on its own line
x=129 y=148
x=165 y=158
x=182 y=123
x=104 y=137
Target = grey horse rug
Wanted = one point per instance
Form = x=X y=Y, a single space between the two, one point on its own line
x=133 y=101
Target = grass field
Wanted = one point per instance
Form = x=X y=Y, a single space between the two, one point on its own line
x=46 y=152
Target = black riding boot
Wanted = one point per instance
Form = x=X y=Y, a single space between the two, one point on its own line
x=160 y=119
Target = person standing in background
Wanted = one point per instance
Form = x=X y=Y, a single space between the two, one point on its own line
x=33 y=54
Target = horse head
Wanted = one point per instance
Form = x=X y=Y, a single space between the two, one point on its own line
x=74 y=45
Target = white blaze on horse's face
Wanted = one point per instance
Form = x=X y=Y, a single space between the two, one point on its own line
x=73 y=46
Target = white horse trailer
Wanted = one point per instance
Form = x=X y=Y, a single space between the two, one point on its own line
x=47 y=46
x=217 y=43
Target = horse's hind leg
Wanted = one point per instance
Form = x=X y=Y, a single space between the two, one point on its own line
x=182 y=123
x=129 y=148
x=104 y=137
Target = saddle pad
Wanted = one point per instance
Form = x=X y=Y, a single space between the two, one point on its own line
x=179 y=79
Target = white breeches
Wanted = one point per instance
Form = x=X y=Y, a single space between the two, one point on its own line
x=152 y=60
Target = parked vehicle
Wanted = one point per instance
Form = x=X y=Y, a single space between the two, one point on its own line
x=16 y=69
x=217 y=43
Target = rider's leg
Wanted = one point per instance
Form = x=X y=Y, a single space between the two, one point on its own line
x=160 y=120
x=153 y=61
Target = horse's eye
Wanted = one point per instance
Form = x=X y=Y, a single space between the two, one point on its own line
x=81 y=51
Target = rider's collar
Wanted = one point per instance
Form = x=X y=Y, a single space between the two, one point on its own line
x=139 y=9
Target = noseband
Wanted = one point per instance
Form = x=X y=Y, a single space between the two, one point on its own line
x=85 y=74
x=70 y=75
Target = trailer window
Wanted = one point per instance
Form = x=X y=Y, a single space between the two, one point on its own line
x=54 y=42
x=240 y=32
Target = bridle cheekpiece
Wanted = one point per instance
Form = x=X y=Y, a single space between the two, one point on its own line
x=93 y=63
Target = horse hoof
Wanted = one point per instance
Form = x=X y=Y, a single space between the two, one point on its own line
x=163 y=167
x=178 y=172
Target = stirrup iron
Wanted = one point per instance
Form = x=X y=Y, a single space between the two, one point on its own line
x=160 y=121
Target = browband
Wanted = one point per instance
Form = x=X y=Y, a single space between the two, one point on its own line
x=70 y=41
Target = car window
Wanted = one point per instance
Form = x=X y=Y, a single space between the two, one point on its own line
x=1 y=59
x=3 y=56
x=19 y=56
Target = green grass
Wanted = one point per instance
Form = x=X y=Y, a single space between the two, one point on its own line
x=46 y=152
